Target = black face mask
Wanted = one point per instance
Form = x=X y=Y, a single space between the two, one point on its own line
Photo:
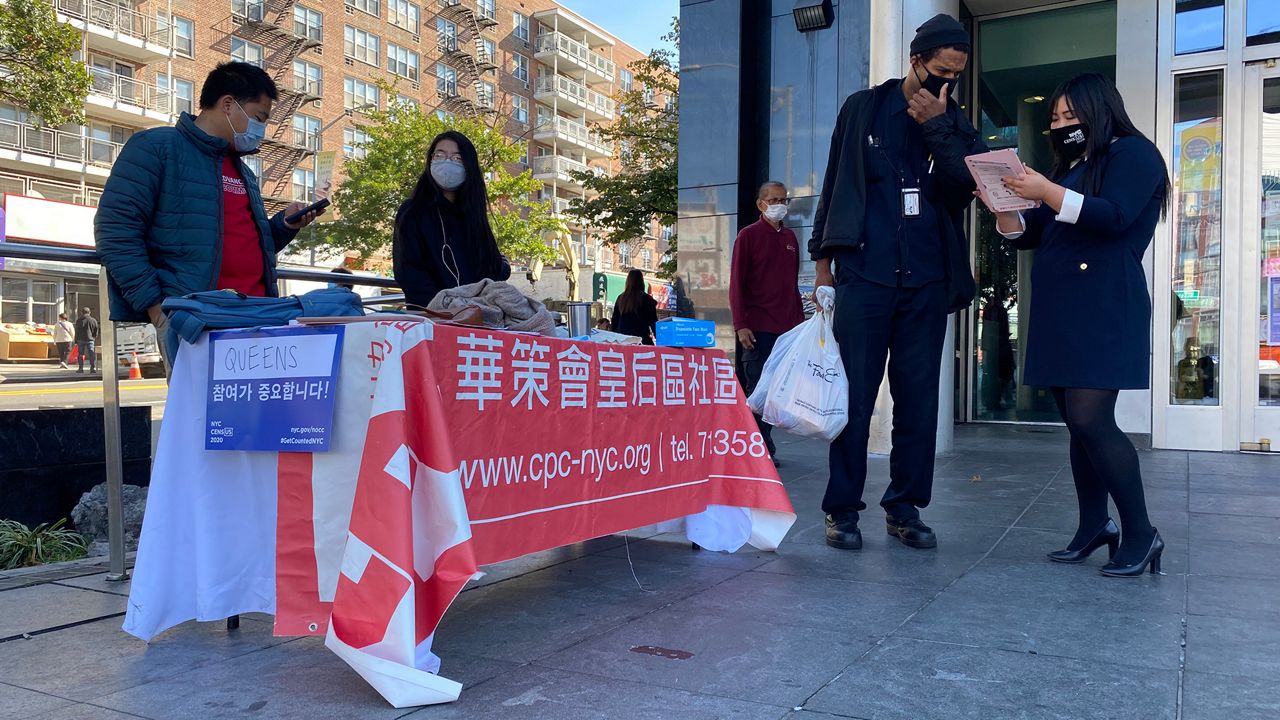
x=932 y=84
x=1070 y=141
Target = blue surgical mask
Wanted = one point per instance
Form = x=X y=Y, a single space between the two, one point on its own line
x=251 y=138
x=448 y=174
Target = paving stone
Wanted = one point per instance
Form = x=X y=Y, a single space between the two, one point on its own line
x=1052 y=626
x=300 y=680
x=760 y=662
x=912 y=680
x=89 y=711
x=1234 y=529
x=532 y=616
x=1247 y=598
x=1244 y=560
x=675 y=549
x=1023 y=582
x=45 y=606
x=1236 y=504
x=540 y=693
x=19 y=702
x=1233 y=646
x=1209 y=696
x=99 y=582
x=98 y=658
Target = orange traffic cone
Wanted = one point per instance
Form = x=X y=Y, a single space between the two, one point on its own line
x=135 y=370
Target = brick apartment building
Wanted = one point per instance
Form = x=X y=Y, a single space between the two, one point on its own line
x=533 y=68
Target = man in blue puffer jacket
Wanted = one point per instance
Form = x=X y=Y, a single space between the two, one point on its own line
x=181 y=213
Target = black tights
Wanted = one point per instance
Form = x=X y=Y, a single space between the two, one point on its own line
x=1104 y=462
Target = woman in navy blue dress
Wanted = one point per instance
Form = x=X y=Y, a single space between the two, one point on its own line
x=1089 y=333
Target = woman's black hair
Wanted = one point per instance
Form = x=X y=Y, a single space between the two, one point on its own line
x=472 y=200
x=1095 y=102
x=633 y=294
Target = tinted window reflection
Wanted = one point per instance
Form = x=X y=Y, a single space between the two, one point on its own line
x=1198 y=26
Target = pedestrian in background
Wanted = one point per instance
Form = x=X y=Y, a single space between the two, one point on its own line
x=1098 y=210
x=635 y=312
x=64 y=333
x=442 y=234
x=86 y=334
x=891 y=219
x=764 y=291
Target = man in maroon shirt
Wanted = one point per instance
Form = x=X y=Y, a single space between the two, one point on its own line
x=764 y=294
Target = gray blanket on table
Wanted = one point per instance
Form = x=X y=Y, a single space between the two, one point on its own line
x=501 y=305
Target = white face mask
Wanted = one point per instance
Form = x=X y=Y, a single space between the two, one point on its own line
x=776 y=212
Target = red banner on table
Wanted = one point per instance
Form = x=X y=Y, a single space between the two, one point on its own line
x=483 y=446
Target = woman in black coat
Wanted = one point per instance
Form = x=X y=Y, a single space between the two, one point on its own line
x=636 y=312
x=1090 y=325
x=442 y=235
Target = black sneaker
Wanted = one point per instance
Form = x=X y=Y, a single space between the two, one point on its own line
x=843 y=533
x=912 y=532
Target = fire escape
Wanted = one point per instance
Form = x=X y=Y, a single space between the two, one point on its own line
x=270 y=24
x=465 y=52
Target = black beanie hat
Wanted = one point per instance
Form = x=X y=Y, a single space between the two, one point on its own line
x=941 y=30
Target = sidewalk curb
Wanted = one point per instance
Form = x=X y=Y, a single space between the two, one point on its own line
x=73 y=377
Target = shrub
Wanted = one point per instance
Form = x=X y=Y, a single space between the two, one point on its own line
x=21 y=546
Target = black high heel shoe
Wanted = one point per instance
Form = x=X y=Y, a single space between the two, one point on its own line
x=1109 y=535
x=1152 y=560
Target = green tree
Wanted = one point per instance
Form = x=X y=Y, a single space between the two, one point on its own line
x=375 y=185
x=646 y=136
x=37 y=69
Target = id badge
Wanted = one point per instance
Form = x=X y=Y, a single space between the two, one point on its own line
x=910 y=202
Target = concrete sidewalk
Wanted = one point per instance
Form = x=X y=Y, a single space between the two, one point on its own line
x=981 y=628
x=43 y=372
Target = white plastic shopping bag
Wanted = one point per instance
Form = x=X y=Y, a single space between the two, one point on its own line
x=803 y=387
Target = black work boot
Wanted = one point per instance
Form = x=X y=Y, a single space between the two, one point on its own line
x=911 y=532
x=843 y=532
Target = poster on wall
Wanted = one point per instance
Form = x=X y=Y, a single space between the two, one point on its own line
x=1273 y=310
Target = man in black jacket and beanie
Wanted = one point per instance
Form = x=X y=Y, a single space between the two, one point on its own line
x=890 y=220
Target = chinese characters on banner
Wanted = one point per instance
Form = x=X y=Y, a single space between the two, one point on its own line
x=272 y=391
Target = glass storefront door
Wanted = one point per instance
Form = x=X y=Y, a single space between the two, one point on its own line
x=1260 y=286
x=1019 y=60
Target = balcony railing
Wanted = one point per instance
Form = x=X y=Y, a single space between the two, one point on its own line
x=119 y=19
x=121 y=88
x=578 y=133
x=58 y=144
x=576 y=51
x=576 y=91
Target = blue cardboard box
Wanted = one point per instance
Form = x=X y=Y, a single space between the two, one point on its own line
x=686 y=332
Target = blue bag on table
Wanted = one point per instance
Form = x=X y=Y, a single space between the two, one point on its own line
x=191 y=315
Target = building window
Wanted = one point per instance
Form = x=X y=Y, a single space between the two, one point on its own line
x=1262 y=22
x=648 y=95
x=308 y=23
x=443 y=115
x=488 y=50
x=520 y=108
x=1196 y=216
x=671 y=103
x=358 y=93
x=1198 y=26
x=254 y=163
x=628 y=80
x=308 y=77
x=247 y=10
x=354 y=143
x=373 y=7
x=184 y=93
x=25 y=300
x=404 y=14
x=306 y=131
x=487 y=94
x=360 y=45
x=520 y=27
x=446 y=80
x=524 y=149
x=405 y=101
x=402 y=62
x=446 y=35
x=646 y=259
x=248 y=52
x=485 y=9
x=184 y=35
x=304 y=184
x=668 y=233
x=520 y=68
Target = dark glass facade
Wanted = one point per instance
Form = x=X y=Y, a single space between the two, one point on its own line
x=758 y=102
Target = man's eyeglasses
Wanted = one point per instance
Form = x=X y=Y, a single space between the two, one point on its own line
x=777 y=201
x=442 y=155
